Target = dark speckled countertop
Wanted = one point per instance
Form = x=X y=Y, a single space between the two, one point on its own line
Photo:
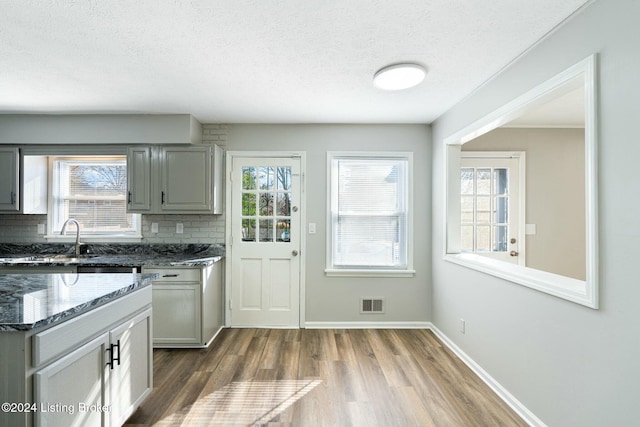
x=30 y=301
x=112 y=255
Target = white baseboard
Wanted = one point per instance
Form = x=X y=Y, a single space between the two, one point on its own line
x=528 y=416
x=367 y=325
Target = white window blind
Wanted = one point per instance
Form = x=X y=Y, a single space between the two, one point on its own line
x=369 y=212
x=93 y=191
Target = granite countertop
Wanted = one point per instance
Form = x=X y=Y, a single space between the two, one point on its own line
x=112 y=255
x=30 y=301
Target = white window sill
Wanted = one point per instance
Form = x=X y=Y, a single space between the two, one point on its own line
x=567 y=288
x=71 y=238
x=333 y=272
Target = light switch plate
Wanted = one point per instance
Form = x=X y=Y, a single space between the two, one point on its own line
x=312 y=228
x=179 y=228
x=530 y=229
x=154 y=227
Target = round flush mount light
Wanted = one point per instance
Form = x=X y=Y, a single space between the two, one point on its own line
x=399 y=76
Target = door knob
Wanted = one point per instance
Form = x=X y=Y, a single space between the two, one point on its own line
x=294 y=253
x=514 y=253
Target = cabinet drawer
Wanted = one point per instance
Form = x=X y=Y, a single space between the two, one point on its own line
x=61 y=338
x=175 y=274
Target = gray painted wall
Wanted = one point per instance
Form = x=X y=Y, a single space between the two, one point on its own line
x=570 y=365
x=337 y=299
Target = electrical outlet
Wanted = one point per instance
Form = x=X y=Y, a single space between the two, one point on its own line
x=41 y=229
x=462 y=326
x=154 y=227
x=179 y=228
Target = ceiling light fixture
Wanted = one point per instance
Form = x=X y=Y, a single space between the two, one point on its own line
x=399 y=76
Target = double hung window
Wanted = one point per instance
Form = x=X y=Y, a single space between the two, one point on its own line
x=370 y=215
x=93 y=191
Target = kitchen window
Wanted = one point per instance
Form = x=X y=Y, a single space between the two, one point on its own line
x=93 y=191
x=370 y=217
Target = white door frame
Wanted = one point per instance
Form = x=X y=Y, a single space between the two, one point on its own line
x=230 y=155
x=520 y=156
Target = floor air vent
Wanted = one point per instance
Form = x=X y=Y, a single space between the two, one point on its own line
x=371 y=305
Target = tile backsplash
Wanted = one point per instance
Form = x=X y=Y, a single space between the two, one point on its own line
x=196 y=228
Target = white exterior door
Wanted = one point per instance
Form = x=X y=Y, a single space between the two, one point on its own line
x=492 y=208
x=265 y=251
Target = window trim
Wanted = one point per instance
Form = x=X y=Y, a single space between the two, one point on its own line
x=90 y=238
x=333 y=271
x=585 y=292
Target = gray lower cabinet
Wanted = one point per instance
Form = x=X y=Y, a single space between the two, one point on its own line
x=187 y=305
x=94 y=369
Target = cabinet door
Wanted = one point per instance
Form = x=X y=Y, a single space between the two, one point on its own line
x=186 y=182
x=177 y=315
x=9 y=178
x=74 y=391
x=139 y=179
x=131 y=378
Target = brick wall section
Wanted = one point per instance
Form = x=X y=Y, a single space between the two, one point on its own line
x=197 y=228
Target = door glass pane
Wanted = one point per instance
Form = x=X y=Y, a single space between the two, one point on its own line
x=466 y=209
x=483 y=213
x=248 y=204
x=265 y=178
x=500 y=181
x=284 y=204
x=483 y=236
x=500 y=238
x=266 y=230
x=501 y=210
x=483 y=181
x=248 y=178
x=283 y=228
x=266 y=204
x=284 y=178
x=466 y=181
x=466 y=238
x=249 y=230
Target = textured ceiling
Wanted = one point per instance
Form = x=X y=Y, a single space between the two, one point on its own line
x=260 y=61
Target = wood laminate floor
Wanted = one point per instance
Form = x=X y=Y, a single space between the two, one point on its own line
x=310 y=377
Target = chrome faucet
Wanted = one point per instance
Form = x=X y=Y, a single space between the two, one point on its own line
x=64 y=228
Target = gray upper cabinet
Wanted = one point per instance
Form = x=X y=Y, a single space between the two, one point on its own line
x=174 y=179
x=23 y=182
x=9 y=179
x=139 y=179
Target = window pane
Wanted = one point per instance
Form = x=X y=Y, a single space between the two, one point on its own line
x=91 y=190
x=466 y=209
x=368 y=241
x=249 y=230
x=466 y=181
x=483 y=238
x=284 y=178
x=284 y=204
x=248 y=204
x=483 y=181
x=484 y=209
x=283 y=228
x=502 y=210
x=266 y=230
x=466 y=238
x=248 y=178
x=500 y=180
x=265 y=178
x=266 y=204
x=369 y=206
x=500 y=238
